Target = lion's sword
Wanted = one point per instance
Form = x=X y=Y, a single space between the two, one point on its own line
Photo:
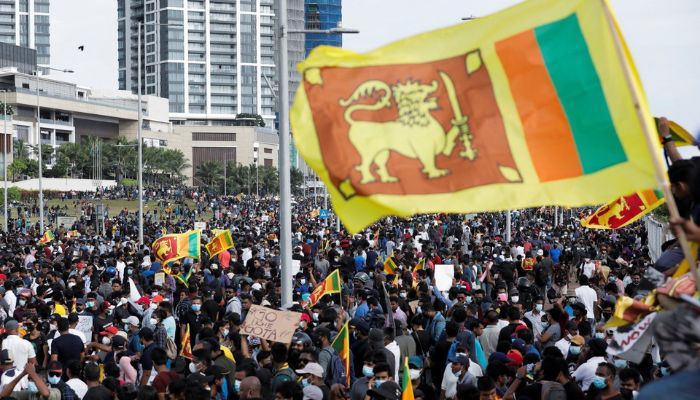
x=459 y=120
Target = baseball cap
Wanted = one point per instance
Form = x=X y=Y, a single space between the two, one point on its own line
x=109 y=330
x=312 y=392
x=388 y=390
x=459 y=358
x=516 y=359
x=311 y=368
x=519 y=344
x=216 y=371
x=578 y=340
x=11 y=325
x=157 y=298
x=118 y=341
x=6 y=358
x=55 y=366
x=132 y=320
x=143 y=300
x=416 y=361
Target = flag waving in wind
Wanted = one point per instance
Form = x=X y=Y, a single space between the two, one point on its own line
x=530 y=106
x=47 y=237
x=341 y=344
x=406 y=385
x=624 y=210
x=329 y=285
x=221 y=242
x=390 y=265
x=175 y=246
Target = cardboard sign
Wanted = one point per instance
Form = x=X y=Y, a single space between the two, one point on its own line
x=444 y=273
x=85 y=326
x=159 y=279
x=269 y=324
x=200 y=225
x=296 y=267
x=67 y=222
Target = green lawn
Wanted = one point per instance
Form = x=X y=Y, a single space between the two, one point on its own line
x=114 y=207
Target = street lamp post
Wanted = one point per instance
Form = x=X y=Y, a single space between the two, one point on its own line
x=139 y=133
x=4 y=160
x=284 y=159
x=38 y=135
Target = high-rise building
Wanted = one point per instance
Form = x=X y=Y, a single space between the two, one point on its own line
x=322 y=15
x=26 y=23
x=213 y=59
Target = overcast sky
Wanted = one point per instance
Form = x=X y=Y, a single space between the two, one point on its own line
x=663 y=37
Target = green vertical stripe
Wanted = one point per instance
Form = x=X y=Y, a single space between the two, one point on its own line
x=571 y=69
x=659 y=194
x=193 y=243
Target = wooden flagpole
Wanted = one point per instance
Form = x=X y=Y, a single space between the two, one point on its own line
x=651 y=138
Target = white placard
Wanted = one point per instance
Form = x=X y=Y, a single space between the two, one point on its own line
x=246 y=255
x=200 y=225
x=67 y=222
x=296 y=267
x=85 y=326
x=444 y=274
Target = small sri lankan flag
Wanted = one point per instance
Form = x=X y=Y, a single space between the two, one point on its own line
x=341 y=344
x=624 y=210
x=185 y=344
x=390 y=265
x=220 y=242
x=329 y=285
x=47 y=237
x=406 y=386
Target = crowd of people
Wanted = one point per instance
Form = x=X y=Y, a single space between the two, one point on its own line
x=526 y=316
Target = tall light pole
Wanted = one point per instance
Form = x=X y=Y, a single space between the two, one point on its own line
x=38 y=136
x=284 y=161
x=4 y=160
x=139 y=134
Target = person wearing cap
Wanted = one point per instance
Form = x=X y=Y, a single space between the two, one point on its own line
x=145 y=303
x=415 y=371
x=312 y=374
x=54 y=372
x=594 y=353
x=68 y=346
x=219 y=386
x=389 y=390
x=312 y=393
x=9 y=372
x=131 y=327
x=20 y=350
x=36 y=387
x=456 y=373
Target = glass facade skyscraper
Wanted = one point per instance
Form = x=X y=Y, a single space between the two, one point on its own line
x=219 y=61
x=322 y=15
x=26 y=23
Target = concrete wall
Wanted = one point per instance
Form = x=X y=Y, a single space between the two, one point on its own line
x=61 y=184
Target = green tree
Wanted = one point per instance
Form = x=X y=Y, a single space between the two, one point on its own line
x=297 y=180
x=259 y=121
x=210 y=174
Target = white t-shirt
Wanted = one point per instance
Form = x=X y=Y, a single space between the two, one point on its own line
x=588 y=297
x=78 y=386
x=20 y=350
x=588 y=269
x=75 y=332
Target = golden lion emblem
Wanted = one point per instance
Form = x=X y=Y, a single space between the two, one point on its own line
x=164 y=250
x=415 y=133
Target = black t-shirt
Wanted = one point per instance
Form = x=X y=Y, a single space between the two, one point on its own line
x=507 y=270
x=146 y=360
x=67 y=347
x=98 y=393
x=211 y=309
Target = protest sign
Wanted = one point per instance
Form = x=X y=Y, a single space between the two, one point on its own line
x=444 y=273
x=159 y=279
x=85 y=326
x=200 y=225
x=632 y=344
x=296 y=267
x=269 y=324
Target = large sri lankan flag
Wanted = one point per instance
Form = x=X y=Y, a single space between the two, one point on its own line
x=175 y=246
x=527 y=107
x=624 y=210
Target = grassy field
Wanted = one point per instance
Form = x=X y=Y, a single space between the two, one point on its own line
x=114 y=207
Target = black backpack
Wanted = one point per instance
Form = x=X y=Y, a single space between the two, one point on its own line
x=336 y=370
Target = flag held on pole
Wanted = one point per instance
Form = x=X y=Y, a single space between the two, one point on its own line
x=341 y=344
x=624 y=210
x=528 y=107
x=174 y=246
x=220 y=242
x=329 y=285
x=47 y=237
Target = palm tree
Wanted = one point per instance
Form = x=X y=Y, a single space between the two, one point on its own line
x=210 y=173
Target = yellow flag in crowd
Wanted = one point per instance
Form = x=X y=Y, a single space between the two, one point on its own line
x=528 y=107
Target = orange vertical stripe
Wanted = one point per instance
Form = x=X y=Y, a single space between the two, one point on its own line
x=547 y=132
x=649 y=197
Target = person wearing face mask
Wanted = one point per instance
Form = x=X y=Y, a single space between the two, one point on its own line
x=193 y=318
x=360 y=386
x=53 y=376
x=36 y=387
x=535 y=316
x=456 y=374
x=630 y=379
x=148 y=309
x=20 y=350
x=602 y=386
x=312 y=375
x=415 y=372
x=595 y=354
